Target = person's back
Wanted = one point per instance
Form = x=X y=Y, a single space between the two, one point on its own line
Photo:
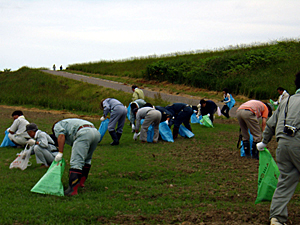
x=137 y=93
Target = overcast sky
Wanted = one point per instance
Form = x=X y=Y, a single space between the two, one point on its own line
x=39 y=33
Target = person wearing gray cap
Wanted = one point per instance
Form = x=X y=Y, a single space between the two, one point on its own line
x=42 y=145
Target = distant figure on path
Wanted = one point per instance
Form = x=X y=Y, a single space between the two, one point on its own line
x=54 y=67
x=60 y=67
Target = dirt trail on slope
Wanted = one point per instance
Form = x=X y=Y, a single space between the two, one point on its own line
x=192 y=100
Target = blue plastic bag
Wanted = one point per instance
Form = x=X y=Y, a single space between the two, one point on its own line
x=165 y=132
x=128 y=111
x=231 y=103
x=242 y=146
x=103 y=128
x=6 y=141
x=150 y=132
x=194 y=118
x=184 y=132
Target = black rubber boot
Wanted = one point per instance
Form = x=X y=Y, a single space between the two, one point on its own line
x=74 y=181
x=254 y=151
x=119 y=135
x=246 y=145
x=85 y=174
x=114 y=136
x=175 y=132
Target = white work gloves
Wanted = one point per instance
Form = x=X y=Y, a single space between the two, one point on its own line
x=133 y=128
x=135 y=136
x=58 y=157
x=31 y=142
x=102 y=118
x=208 y=114
x=167 y=122
x=261 y=146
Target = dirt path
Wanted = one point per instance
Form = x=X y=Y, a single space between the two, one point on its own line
x=192 y=100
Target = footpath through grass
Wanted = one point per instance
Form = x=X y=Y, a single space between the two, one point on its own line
x=202 y=180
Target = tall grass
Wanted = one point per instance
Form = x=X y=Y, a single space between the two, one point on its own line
x=33 y=87
x=254 y=71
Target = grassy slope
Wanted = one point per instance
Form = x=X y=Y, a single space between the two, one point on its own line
x=245 y=70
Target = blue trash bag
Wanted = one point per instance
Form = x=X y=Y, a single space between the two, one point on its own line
x=242 y=146
x=165 y=132
x=184 y=132
x=103 y=128
x=231 y=103
x=128 y=111
x=150 y=132
x=194 y=118
x=6 y=141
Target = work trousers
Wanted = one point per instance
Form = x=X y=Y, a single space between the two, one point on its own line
x=44 y=155
x=153 y=117
x=85 y=143
x=19 y=139
x=288 y=161
x=248 y=120
x=183 y=117
x=118 y=115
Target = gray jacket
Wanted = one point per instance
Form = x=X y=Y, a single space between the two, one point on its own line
x=109 y=104
x=45 y=141
x=275 y=125
x=141 y=114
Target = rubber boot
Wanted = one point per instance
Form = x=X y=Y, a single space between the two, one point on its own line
x=247 y=149
x=74 y=182
x=254 y=151
x=85 y=174
x=119 y=136
x=114 y=137
x=175 y=132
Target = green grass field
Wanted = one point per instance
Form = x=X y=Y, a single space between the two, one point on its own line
x=202 y=180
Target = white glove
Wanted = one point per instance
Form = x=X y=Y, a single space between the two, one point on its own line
x=132 y=126
x=102 y=118
x=261 y=146
x=31 y=142
x=208 y=114
x=58 y=157
x=135 y=136
x=167 y=122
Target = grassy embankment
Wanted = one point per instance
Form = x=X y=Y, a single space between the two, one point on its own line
x=251 y=71
x=32 y=87
x=196 y=180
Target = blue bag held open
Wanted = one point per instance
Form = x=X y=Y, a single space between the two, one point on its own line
x=165 y=132
x=103 y=128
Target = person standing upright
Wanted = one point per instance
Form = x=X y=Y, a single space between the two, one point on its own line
x=229 y=102
x=285 y=125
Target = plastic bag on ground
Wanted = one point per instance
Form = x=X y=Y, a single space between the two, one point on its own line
x=51 y=183
x=22 y=160
x=6 y=141
x=103 y=128
x=206 y=121
x=268 y=174
x=184 y=132
x=165 y=132
x=194 y=118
